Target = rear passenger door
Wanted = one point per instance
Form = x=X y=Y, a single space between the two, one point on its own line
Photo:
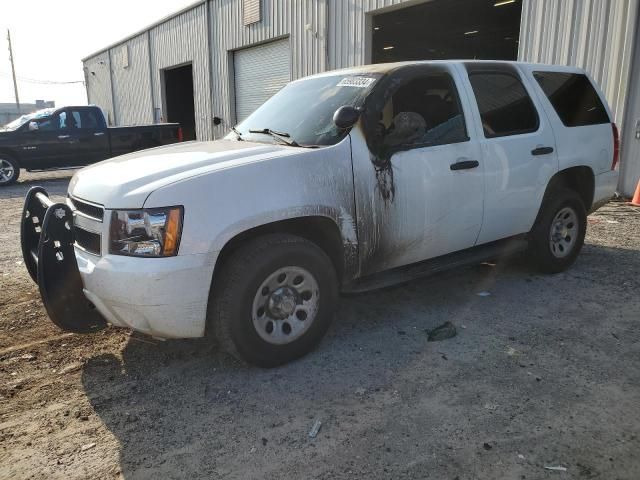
x=88 y=135
x=518 y=148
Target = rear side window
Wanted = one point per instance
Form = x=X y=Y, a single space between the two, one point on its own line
x=573 y=97
x=504 y=104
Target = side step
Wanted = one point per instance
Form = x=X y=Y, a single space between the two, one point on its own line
x=47 y=238
x=471 y=256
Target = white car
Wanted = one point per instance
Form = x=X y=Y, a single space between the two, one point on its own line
x=345 y=181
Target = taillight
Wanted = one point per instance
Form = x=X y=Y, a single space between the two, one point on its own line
x=181 y=136
x=616 y=146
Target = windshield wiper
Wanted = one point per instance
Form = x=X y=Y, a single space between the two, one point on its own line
x=282 y=136
x=238 y=134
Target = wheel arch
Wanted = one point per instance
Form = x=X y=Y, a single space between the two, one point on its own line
x=320 y=230
x=11 y=153
x=580 y=179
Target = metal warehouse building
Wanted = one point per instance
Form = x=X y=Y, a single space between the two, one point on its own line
x=209 y=65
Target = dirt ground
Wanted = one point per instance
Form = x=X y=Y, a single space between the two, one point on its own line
x=544 y=372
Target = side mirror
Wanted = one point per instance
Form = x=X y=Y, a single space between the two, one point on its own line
x=346 y=116
x=33 y=126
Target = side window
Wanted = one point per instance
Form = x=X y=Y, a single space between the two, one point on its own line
x=73 y=119
x=424 y=112
x=573 y=97
x=62 y=120
x=48 y=123
x=504 y=104
x=89 y=119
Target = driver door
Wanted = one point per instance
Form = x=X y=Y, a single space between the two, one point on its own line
x=51 y=145
x=418 y=173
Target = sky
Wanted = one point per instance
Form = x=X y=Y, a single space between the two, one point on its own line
x=50 y=38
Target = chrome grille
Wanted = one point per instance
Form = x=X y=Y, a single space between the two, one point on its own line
x=82 y=207
x=86 y=240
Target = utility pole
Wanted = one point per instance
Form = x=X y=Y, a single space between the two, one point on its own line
x=13 y=71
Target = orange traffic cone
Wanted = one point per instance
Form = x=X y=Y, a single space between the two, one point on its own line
x=635 y=201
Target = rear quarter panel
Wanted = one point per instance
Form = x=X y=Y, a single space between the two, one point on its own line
x=590 y=145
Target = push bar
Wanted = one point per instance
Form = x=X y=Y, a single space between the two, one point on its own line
x=47 y=238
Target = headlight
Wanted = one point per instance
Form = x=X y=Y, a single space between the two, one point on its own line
x=153 y=232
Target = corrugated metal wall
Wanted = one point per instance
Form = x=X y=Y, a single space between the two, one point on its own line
x=131 y=84
x=180 y=40
x=99 y=83
x=348 y=34
x=303 y=22
x=597 y=35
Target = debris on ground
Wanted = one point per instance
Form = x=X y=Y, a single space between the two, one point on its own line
x=313 y=433
x=444 y=331
x=556 y=468
x=72 y=367
x=487 y=446
x=88 y=446
x=483 y=294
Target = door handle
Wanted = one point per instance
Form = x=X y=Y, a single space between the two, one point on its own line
x=98 y=134
x=542 y=151
x=62 y=137
x=464 y=165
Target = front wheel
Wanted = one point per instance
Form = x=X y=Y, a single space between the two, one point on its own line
x=273 y=299
x=558 y=235
x=9 y=170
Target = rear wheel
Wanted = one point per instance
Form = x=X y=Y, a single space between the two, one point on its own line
x=9 y=170
x=558 y=235
x=273 y=299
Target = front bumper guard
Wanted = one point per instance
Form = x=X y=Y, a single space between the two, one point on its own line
x=47 y=238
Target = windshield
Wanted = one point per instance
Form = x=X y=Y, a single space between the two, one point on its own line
x=304 y=109
x=18 y=122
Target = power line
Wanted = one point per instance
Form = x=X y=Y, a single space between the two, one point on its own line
x=41 y=82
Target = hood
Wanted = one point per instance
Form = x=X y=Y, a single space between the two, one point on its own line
x=127 y=181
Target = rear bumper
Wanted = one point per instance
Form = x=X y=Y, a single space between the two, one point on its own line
x=605 y=187
x=163 y=297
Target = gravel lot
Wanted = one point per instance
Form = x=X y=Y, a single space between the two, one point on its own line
x=544 y=372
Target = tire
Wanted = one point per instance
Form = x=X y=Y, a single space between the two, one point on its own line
x=9 y=170
x=255 y=306
x=558 y=234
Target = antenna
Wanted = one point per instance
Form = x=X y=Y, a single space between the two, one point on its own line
x=13 y=71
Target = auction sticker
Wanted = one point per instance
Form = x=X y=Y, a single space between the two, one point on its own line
x=358 y=82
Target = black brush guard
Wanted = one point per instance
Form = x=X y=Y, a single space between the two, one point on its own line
x=47 y=238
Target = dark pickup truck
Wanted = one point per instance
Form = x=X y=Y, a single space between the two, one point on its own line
x=71 y=137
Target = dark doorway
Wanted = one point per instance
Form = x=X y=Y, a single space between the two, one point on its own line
x=448 y=29
x=178 y=94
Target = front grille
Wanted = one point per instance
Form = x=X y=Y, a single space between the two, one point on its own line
x=87 y=209
x=86 y=240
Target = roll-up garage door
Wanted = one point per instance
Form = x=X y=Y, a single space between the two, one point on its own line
x=259 y=73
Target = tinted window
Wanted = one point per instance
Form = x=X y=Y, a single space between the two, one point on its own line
x=424 y=112
x=504 y=104
x=573 y=97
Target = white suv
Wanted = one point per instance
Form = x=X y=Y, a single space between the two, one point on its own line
x=345 y=181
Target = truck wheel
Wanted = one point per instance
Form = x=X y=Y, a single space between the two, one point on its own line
x=273 y=299
x=558 y=235
x=9 y=170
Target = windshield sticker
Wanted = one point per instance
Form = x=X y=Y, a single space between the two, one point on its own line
x=358 y=82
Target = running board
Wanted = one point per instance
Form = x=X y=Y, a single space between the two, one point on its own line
x=471 y=256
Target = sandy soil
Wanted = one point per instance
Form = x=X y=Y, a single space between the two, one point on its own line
x=544 y=372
